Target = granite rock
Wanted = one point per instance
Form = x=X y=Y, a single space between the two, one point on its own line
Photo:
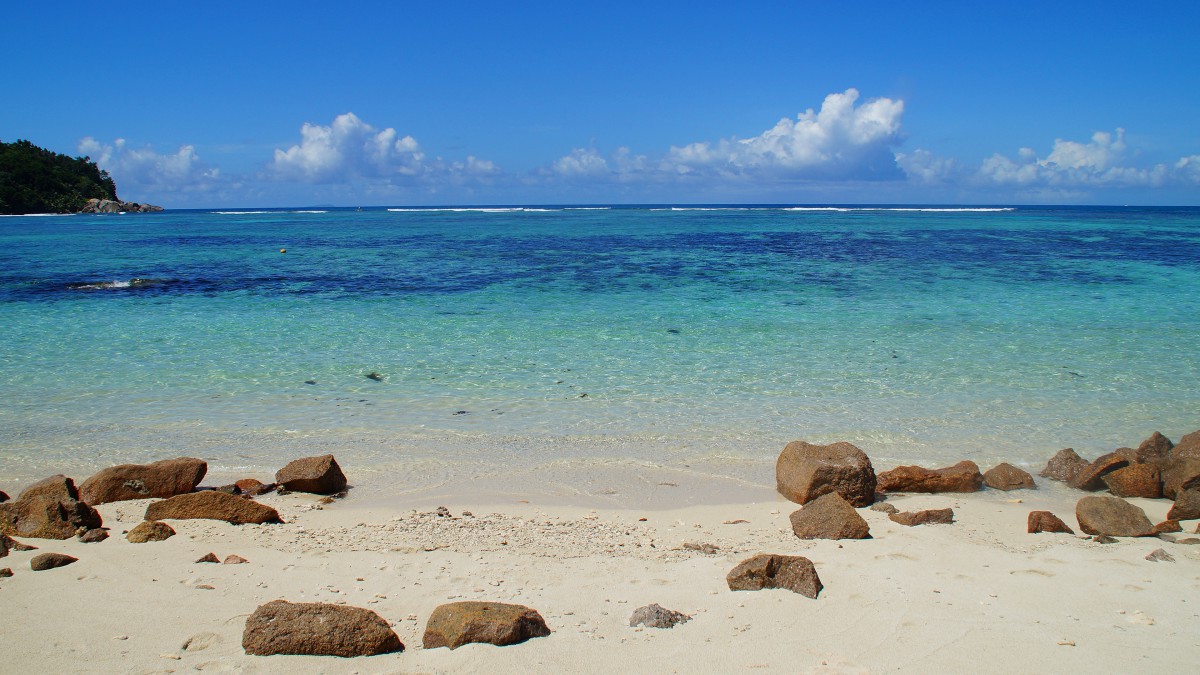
x=1064 y=466
x=458 y=623
x=1044 y=521
x=1186 y=506
x=1006 y=477
x=1112 y=516
x=962 y=477
x=166 y=478
x=317 y=629
x=770 y=570
x=212 y=505
x=150 y=530
x=317 y=475
x=805 y=471
x=48 y=509
x=1135 y=480
x=829 y=517
x=657 y=616
x=1091 y=477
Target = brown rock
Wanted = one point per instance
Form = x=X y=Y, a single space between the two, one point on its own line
x=1155 y=450
x=7 y=544
x=962 y=477
x=6 y=572
x=1135 y=480
x=829 y=517
x=1180 y=473
x=209 y=558
x=927 y=517
x=317 y=629
x=1008 y=477
x=318 y=475
x=48 y=509
x=770 y=570
x=1044 y=521
x=212 y=505
x=1188 y=446
x=1167 y=526
x=1064 y=466
x=1159 y=555
x=458 y=623
x=1187 y=505
x=94 y=535
x=805 y=471
x=657 y=616
x=253 y=487
x=3 y=496
x=1112 y=516
x=234 y=559
x=884 y=507
x=48 y=561
x=163 y=479
x=1091 y=477
x=150 y=530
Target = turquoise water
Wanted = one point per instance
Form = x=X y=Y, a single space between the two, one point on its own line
x=920 y=335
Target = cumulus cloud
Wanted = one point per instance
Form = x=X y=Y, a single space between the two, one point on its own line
x=141 y=172
x=350 y=149
x=926 y=168
x=840 y=141
x=1099 y=162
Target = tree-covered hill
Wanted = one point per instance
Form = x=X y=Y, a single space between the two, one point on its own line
x=36 y=180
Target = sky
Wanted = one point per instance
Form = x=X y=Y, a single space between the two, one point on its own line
x=276 y=104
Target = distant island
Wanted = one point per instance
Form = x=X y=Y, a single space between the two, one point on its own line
x=36 y=180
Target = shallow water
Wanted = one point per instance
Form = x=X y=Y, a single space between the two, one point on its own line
x=519 y=338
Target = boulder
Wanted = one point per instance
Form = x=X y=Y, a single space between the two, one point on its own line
x=656 y=616
x=1167 y=526
x=163 y=479
x=1188 y=446
x=1091 y=477
x=1135 y=480
x=458 y=623
x=317 y=629
x=1180 y=473
x=829 y=517
x=48 y=561
x=94 y=535
x=1044 y=521
x=805 y=471
x=1064 y=466
x=212 y=505
x=962 y=477
x=1187 y=505
x=318 y=475
x=1155 y=450
x=771 y=570
x=1112 y=516
x=926 y=517
x=1006 y=477
x=254 y=487
x=150 y=530
x=48 y=509
x=7 y=544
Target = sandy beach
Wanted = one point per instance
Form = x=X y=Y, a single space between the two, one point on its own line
x=980 y=594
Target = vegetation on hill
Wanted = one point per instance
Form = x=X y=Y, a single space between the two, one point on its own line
x=36 y=180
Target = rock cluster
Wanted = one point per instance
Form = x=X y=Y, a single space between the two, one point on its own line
x=116 y=206
x=48 y=509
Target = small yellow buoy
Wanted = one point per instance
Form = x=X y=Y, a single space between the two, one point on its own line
x=283 y=250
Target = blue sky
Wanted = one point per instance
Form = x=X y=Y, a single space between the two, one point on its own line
x=393 y=103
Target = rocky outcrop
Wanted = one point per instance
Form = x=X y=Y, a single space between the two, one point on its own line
x=1044 y=521
x=1006 y=477
x=805 y=471
x=458 y=623
x=1187 y=505
x=1135 y=480
x=1064 y=466
x=962 y=477
x=7 y=544
x=214 y=506
x=829 y=517
x=48 y=561
x=117 y=206
x=48 y=509
x=163 y=479
x=926 y=517
x=657 y=616
x=770 y=570
x=150 y=530
x=1091 y=477
x=1112 y=516
x=317 y=629
x=317 y=475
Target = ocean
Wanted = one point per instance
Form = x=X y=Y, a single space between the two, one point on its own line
x=450 y=340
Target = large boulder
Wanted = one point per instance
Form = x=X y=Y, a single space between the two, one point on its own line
x=318 y=475
x=1180 y=473
x=212 y=505
x=317 y=629
x=1112 y=516
x=829 y=517
x=1006 y=477
x=1186 y=506
x=771 y=570
x=163 y=479
x=805 y=471
x=1135 y=480
x=150 y=530
x=1188 y=446
x=458 y=623
x=962 y=477
x=1155 y=450
x=1064 y=466
x=926 y=517
x=48 y=509
x=1091 y=477
x=1044 y=521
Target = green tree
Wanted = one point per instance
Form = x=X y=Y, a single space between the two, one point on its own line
x=36 y=180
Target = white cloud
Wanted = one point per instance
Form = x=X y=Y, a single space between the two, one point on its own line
x=926 y=168
x=1101 y=162
x=351 y=149
x=143 y=174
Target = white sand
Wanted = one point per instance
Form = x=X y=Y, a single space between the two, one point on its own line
x=980 y=595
